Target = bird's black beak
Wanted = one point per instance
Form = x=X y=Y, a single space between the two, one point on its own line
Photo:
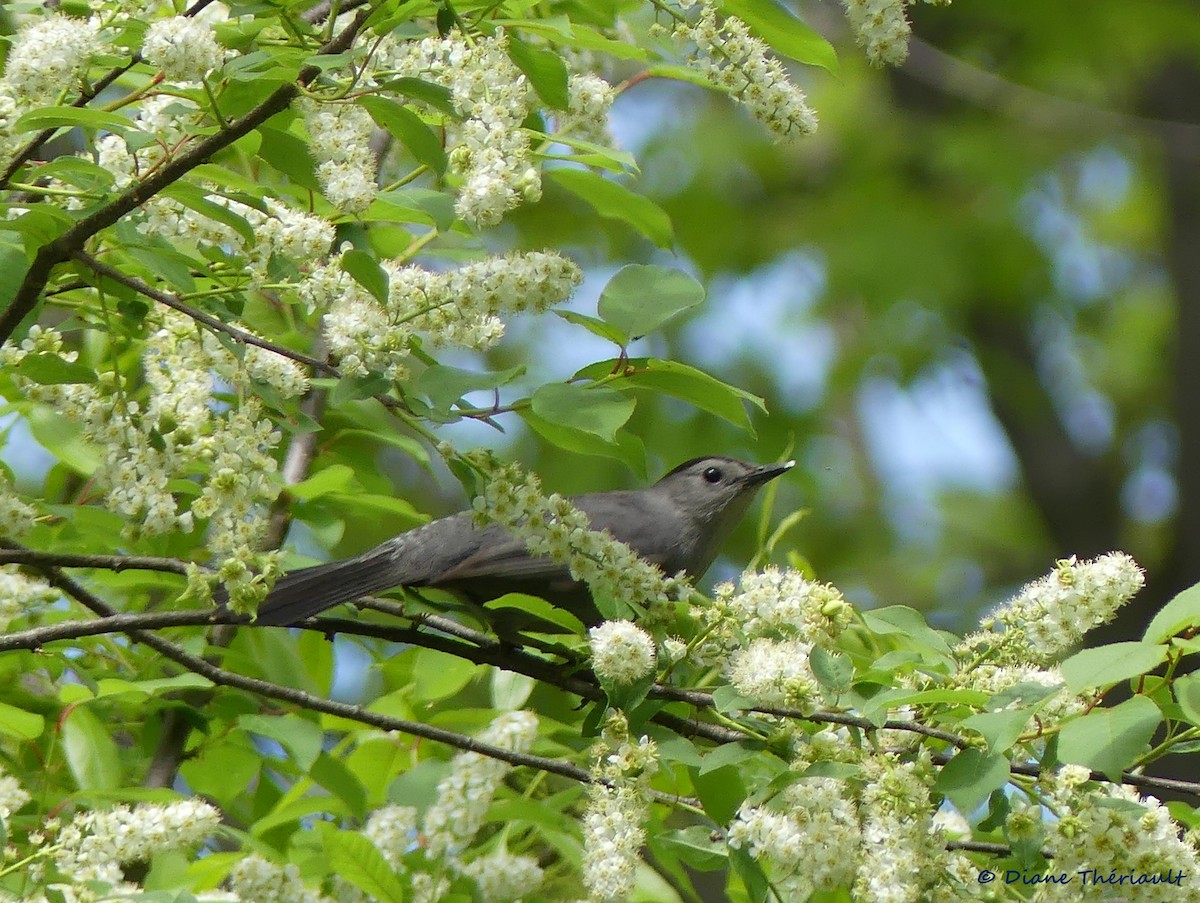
x=767 y=472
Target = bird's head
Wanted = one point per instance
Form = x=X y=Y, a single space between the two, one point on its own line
x=715 y=491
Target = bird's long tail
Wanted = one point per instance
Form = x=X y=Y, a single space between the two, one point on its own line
x=305 y=592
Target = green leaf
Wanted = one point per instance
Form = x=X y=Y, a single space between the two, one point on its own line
x=288 y=154
x=91 y=753
x=784 y=32
x=1000 y=729
x=355 y=858
x=366 y=271
x=538 y=609
x=696 y=848
x=641 y=298
x=970 y=777
x=1109 y=740
x=439 y=675
x=71 y=117
x=593 y=325
x=1178 y=615
x=721 y=792
x=728 y=755
x=545 y=70
x=613 y=200
x=63 y=438
x=197 y=198
x=112 y=686
x=421 y=205
x=408 y=128
x=727 y=699
x=19 y=723
x=446 y=386
x=301 y=739
x=1107 y=665
x=1187 y=694
x=334 y=776
x=335 y=478
x=597 y=410
x=627 y=448
x=510 y=690
x=14 y=264
x=832 y=669
x=900 y=619
x=50 y=369
x=747 y=868
x=436 y=96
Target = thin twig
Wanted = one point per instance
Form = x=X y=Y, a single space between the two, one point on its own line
x=115 y=563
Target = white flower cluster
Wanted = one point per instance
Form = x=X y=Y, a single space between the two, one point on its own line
x=178 y=430
x=735 y=61
x=881 y=28
x=466 y=792
x=488 y=148
x=590 y=99
x=503 y=877
x=257 y=879
x=1051 y=615
x=12 y=795
x=994 y=679
x=1113 y=831
x=340 y=142
x=183 y=47
x=92 y=846
x=393 y=830
x=16 y=515
x=622 y=653
x=900 y=850
x=552 y=526
x=775 y=673
x=775 y=602
x=460 y=307
x=21 y=593
x=810 y=839
x=614 y=823
x=48 y=56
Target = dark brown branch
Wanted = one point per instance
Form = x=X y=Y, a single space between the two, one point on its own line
x=175 y=303
x=115 y=563
x=292 y=696
x=63 y=247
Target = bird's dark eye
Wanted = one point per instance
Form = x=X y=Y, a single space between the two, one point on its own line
x=712 y=474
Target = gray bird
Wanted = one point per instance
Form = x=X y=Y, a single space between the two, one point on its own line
x=679 y=524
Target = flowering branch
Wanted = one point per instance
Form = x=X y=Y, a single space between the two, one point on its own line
x=174 y=302
x=65 y=246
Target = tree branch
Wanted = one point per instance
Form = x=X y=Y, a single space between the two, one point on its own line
x=65 y=246
x=175 y=303
x=115 y=563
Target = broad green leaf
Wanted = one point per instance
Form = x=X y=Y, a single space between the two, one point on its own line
x=785 y=33
x=50 y=369
x=112 y=686
x=681 y=381
x=353 y=857
x=641 y=298
x=727 y=699
x=1107 y=665
x=832 y=669
x=439 y=675
x=63 y=438
x=728 y=755
x=335 y=478
x=544 y=68
x=538 y=610
x=613 y=200
x=721 y=791
x=301 y=739
x=1110 y=740
x=413 y=205
x=510 y=690
x=941 y=696
x=445 y=386
x=599 y=410
x=970 y=777
x=19 y=723
x=408 y=128
x=13 y=266
x=71 y=117
x=288 y=153
x=1187 y=694
x=436 y=96
x=196 y=198
x=1180 y=613
x=1000 y=729
x=222 y=769
x=696 y=848
x=627 y=447
x=334 y=776
x=366 y=271
x=90 y=750
x=593 y=325
x=751 y=873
